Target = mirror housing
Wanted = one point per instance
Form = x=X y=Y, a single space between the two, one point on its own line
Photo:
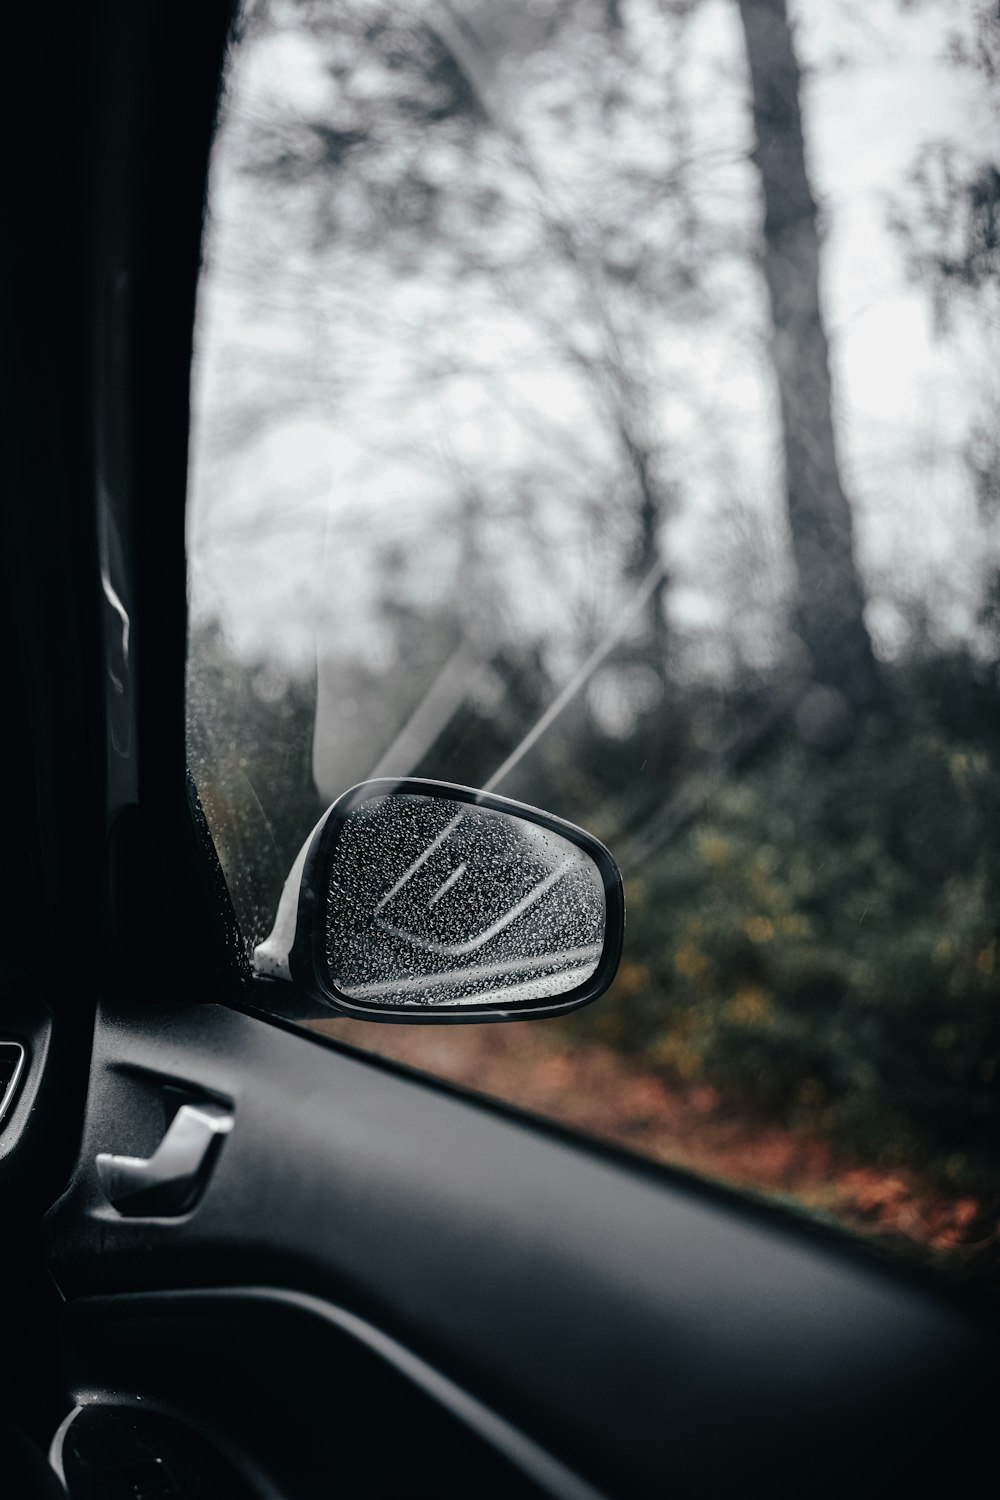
x=417 y=900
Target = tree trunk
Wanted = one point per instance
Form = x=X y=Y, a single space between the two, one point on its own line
x=831 y=598
x=654 y=645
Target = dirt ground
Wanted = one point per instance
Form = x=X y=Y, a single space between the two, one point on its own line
x=597 y=1091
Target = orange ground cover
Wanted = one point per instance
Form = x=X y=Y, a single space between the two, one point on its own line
x=596 y=1090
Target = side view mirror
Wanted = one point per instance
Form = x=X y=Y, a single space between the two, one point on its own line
x=418 y=901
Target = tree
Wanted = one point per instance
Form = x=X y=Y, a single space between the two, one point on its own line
x=496 y=163
x=947 y=221
x=831 y=598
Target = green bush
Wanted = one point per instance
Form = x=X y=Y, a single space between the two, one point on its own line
x=821 y=943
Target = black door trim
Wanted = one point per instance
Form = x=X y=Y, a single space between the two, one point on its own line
x=529 y=1457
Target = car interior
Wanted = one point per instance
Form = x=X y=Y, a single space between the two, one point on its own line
x=241 y=1258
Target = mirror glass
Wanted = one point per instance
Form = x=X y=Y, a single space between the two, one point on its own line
x=439 y=902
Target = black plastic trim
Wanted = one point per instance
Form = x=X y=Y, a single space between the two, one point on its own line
x=522 y=1452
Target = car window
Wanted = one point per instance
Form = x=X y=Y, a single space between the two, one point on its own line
x=598 y=402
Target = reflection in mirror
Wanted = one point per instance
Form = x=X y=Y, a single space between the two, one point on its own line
x=440 y=902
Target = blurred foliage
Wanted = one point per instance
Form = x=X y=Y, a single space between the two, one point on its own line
x=513 y=257
x=820 y=945
x=249 y=736
x=818 y=942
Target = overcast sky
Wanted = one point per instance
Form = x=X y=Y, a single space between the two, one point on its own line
x=283 y=517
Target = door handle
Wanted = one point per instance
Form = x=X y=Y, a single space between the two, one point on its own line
x=170 y=1181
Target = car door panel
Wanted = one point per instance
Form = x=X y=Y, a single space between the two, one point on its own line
x=630 y=1326
x=349 y=1405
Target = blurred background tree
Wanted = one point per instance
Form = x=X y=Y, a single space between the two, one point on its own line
x=603 y=397
x=830 y=596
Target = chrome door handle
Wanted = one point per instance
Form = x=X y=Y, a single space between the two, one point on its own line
x=169 y=1181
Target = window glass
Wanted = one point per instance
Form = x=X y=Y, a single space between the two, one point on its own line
x=600 y=400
